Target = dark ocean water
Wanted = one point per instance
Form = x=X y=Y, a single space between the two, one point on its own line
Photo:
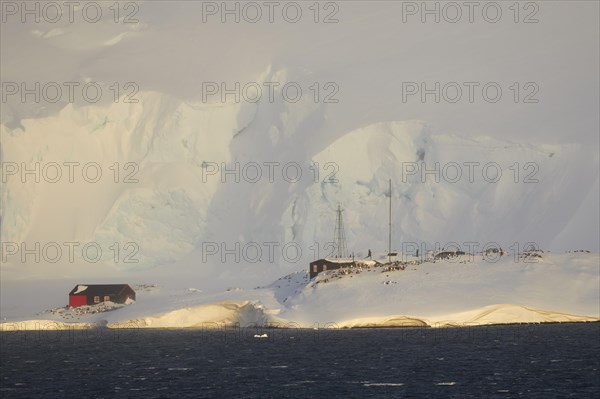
x=529 y=361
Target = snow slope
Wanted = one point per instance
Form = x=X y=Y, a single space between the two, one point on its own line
x=175 y=205
x=447 y=292
x=467 y=290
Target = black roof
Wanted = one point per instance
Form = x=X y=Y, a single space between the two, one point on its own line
x=334 y=261
x=99 y=289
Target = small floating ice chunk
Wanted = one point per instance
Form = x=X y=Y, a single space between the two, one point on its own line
x=261 y=336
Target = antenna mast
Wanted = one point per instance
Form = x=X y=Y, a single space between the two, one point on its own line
x=339 y=237
x=390 y=226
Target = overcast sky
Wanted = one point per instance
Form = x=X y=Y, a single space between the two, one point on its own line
x=372 y=52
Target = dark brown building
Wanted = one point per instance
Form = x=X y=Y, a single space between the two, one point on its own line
x=322 y=265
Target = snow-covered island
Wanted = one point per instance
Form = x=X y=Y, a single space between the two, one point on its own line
x=463 y=290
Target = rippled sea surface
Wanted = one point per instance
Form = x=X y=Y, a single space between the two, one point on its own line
x=530 y=361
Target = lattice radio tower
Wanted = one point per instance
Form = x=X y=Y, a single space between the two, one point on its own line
x=339 y=237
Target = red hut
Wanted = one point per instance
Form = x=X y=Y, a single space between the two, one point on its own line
x=92 y=294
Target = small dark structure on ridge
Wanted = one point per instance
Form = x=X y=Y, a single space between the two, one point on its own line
x=93 y=294
x=323 y=265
